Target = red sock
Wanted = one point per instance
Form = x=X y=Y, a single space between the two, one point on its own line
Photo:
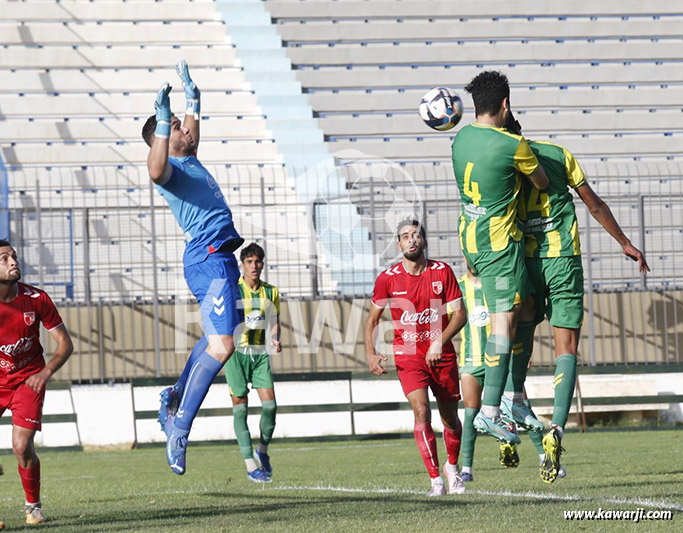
x=30 y=479
x=426 y=443
x=452 y=439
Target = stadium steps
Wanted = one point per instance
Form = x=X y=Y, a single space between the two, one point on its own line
x=107 y=32
x=88 y=129
x=298 y=32
x=115 y=80
x=260 y=52
x=110 y=10
x=359 y=9
x=587 y=73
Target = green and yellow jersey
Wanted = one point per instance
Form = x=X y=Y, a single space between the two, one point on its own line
x=550 y=225
x=486 y=162
x=259 y=305
x=478 y=327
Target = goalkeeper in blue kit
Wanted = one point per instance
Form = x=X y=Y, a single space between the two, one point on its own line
x=210 y=268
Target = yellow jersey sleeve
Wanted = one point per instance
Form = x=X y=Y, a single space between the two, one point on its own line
x=575 y=175
x=525 y=161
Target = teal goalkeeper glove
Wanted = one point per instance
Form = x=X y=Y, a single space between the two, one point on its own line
x=162 y=106
x=191 y=90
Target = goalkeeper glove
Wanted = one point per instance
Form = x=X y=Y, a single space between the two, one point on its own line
x=162 y=106
x=191 y=91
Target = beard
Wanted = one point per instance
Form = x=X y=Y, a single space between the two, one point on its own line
x=413 y=256
x=11 y=279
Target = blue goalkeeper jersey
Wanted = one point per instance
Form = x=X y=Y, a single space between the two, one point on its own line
x=200 y=209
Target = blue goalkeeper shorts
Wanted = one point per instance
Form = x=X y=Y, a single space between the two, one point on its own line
x=214 y=283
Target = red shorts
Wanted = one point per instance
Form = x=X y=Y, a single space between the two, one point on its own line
x=25 y=404
x=414 y=374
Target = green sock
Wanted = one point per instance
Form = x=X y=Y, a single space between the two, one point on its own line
x=565 y=379
x=239 y=419
x=497 y=359
x=267 y=424
x=469 y=435
x=519 y=361
x=535 y=436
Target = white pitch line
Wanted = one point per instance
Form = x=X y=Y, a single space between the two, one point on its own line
x=534 y=495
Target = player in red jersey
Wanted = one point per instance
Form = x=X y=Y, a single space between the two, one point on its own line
x=427 y=311
x=23 y=372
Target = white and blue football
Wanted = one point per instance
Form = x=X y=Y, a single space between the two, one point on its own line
x=441 y=108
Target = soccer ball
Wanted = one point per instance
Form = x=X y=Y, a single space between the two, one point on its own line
x=441 y=108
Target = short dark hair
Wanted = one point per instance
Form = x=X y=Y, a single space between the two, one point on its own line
x=252 y=249
x=411 y=222
x=4 y=243
x=488 y=90
x=148 y=130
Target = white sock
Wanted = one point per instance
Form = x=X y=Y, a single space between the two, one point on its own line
x=466 y=469
x=251 y=464
x=492 y=411
x=263 y=448
x=436 y=480
x=451 y=468
x=559 y=430
x=516 y=397
x=541 y=456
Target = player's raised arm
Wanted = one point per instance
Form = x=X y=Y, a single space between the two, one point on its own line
x=374 y=359
x=192 y=101
x=157 y=160
x=603 y=214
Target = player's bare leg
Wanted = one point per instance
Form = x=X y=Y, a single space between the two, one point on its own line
x=29 y=471
x=496 y=359
x=566 y=348
x=425 y=439
x=452 y=435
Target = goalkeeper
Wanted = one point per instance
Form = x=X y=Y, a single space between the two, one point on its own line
x=210 y=268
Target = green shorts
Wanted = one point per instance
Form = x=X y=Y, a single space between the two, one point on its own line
x=476 y=372
x=503 y=276
x=242 y=369
x=558 y=282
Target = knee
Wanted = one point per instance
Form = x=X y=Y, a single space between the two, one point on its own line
x=240 y=410
x=268 y=407
x=422 y=412
x=22 y=450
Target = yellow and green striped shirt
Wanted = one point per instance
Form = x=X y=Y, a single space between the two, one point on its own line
x=259 y=305
x=473 y=336
x=550 y=225
x=486 y=162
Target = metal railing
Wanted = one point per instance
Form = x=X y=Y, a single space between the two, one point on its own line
x=111 y=255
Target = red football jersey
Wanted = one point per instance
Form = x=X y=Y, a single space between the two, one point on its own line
x=418 y=305
x=20 y=351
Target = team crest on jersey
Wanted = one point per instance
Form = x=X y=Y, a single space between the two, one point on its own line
x=437 y=287
x=29 y=318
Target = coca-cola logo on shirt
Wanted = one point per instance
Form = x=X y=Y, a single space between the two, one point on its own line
x=23 y=345
x=427 y=316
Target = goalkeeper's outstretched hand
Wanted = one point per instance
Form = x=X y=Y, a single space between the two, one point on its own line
x=192 y=94
x=162 y=106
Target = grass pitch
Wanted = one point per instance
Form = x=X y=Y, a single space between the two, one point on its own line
x=349 y=486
